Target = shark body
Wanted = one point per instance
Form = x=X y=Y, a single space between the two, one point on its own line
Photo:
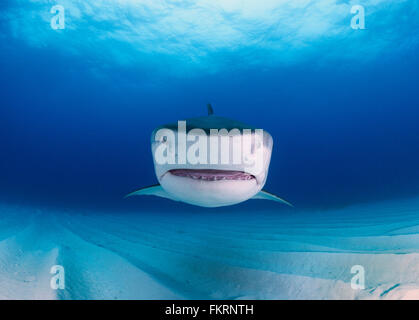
x=211 y=185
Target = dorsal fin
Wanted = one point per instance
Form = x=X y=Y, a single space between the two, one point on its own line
x=210 y=109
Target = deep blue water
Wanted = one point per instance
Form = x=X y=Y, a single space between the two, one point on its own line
x=78 y=105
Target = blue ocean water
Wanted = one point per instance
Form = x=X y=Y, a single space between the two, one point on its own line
x=78 y=104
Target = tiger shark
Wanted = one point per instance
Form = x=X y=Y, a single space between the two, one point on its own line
x=212 y=183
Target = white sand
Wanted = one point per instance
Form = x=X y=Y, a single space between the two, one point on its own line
x=263 y=255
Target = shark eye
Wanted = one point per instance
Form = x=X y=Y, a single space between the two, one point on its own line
x=163 y=139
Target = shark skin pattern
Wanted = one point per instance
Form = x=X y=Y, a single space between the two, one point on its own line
x=211 y=185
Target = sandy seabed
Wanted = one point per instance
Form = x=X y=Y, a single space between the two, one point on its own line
x=259 y=255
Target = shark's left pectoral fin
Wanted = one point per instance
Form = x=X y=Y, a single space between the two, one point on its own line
x=264 y=195
x=155 y=190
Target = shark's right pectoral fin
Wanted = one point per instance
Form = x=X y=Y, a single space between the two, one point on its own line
x=264 y=195
x=155 y=190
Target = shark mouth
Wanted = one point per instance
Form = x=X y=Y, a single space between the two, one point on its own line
x=212 y=174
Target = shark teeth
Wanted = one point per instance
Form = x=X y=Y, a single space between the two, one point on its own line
x=212 y=174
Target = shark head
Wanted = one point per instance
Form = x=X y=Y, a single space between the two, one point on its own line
x=210 y=161
x=228 y=178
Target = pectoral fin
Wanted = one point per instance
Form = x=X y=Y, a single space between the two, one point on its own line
x=155 y=190
x=269 y=196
